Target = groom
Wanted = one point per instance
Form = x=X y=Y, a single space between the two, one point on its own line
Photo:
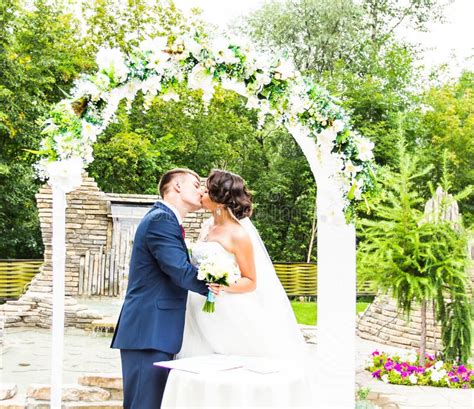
x=151 y=323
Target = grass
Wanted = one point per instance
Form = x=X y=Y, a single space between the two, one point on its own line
x=306 y=312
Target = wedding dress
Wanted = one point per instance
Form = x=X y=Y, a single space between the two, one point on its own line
x=260 y=323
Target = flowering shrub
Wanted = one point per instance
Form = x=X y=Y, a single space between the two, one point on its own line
x=404 y=369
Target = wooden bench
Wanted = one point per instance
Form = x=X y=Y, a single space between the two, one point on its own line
x=300 y=279
x=15 y=276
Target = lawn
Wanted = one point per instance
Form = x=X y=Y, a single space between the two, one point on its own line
x=306 y=312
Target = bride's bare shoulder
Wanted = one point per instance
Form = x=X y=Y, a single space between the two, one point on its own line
x=239 y=235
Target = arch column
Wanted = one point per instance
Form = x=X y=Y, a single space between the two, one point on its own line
x=336 y=312
x=335 y=356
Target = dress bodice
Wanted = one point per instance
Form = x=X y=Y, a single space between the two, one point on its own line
x=209 y=249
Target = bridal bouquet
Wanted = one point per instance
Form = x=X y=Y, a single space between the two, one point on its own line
x=217 y=270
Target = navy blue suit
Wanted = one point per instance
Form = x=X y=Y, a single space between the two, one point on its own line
x=151 y=323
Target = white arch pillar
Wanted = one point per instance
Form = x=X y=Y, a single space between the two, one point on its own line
x=335 y=357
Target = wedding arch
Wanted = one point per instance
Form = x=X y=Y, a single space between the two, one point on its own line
x=340 y=160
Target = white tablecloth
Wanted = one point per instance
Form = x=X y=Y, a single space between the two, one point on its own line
x=238 y=387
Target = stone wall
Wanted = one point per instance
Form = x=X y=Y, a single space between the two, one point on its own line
x=87 y=226
x=381 y=322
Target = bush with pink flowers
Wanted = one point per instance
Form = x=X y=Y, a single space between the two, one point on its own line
x=404 y=369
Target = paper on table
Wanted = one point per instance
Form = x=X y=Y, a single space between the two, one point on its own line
x=203 y=364
x=263 y=366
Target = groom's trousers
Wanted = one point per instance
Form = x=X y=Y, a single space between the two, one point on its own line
x=143 y=383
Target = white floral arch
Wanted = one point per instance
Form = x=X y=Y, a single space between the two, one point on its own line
x=340 y=159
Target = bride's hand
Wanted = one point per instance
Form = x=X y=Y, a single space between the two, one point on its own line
x=215 y=288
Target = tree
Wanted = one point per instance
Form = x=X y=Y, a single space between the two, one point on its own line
x=384 y=16
x=444 y=125
x=111 y=23
x=417 y=261
x=315 y=34
x=40 y=55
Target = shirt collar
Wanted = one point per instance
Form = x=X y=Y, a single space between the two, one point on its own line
x=173 y=209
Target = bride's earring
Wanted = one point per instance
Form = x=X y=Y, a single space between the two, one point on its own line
x=218 y=211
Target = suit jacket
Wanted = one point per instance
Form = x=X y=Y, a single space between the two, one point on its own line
x=160 y=276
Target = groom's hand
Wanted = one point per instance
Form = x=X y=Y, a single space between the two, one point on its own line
x=215 y=288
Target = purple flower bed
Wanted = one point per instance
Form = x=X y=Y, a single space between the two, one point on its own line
x=404 y=369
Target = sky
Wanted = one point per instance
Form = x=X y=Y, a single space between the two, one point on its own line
x=451 y=43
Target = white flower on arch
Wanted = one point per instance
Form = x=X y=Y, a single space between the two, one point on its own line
x=112 y=62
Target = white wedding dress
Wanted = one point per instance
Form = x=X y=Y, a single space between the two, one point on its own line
x=258 y=326
x=255 y=324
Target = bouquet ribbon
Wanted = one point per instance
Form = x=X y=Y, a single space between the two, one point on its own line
x=209 y=305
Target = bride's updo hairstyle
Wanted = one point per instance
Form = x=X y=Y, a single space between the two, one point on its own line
x=229 y=189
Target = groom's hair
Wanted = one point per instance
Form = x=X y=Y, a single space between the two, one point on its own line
x=171 y=175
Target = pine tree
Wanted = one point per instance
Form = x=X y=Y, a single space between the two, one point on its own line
x=415 y=260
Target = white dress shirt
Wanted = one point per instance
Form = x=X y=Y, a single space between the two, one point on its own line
x=174 y=210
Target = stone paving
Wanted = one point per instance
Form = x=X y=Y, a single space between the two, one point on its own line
x=25 y=359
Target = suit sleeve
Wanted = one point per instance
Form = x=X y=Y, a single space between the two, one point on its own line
x=164 y=242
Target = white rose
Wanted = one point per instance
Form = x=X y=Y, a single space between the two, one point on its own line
x=192 y=46
x=252 y=102
x=151 y=85
x=385 y=378
x=155 y=45
x=338 y=125
x=90 y=131
x=413 y=379
x=438 y=365
x=364 y=147
x=66 y=174
x=264 y=106
x=102 y=81
x=297 y=104
x=262 y=79
x=88 y=154
x=112 y=61
x=351 y=169
x=234 y=85
x=85 y=87
x=226 y=56
x=199 y=79
x=327 y=137
x=201 y=274
x=158 y=58
x=285 y=70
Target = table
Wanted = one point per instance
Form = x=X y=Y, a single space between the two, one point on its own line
x=239 y=387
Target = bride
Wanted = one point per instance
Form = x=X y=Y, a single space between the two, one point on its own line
x=253 y=317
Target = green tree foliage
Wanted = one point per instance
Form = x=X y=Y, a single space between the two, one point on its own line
x=315 y=34
x=133 y=153
x=40 y=55
x=114 y=23
x=444 y=124
x=418 y=261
